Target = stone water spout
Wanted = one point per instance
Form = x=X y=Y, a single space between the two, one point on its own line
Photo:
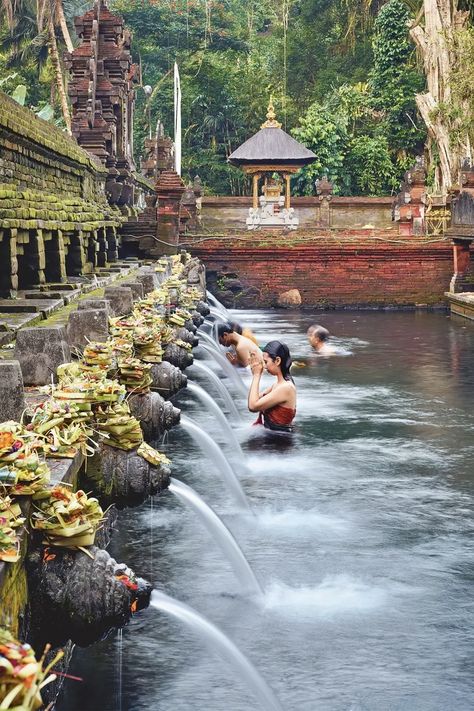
x=203 y=308
x=167 y=379
x=180 y=357
x=124 y=478
x=80 y=596
x=155 y=414
x=187 y=336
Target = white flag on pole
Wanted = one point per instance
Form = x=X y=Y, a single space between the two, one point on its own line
x=177 y=121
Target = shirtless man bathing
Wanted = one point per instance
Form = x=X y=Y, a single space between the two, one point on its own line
x=244 y=347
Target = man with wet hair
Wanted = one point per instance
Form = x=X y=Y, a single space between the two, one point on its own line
x=243 y=346
x=318 y=338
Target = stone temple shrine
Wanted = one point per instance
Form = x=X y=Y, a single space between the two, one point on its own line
x=274 y=156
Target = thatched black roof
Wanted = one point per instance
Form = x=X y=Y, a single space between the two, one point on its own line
x=271 y=145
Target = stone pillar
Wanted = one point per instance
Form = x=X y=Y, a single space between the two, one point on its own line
x=255 y=191
x=86 y=325
x=287 y=190
x=410 y=204
x=12 y=394
x=189 y=202
x=40 y=351
x=55 y=256
x=324 y=190
x=8 y=263
x=462 y=265
x=169 y=188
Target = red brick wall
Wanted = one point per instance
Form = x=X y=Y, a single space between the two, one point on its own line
x=336 y=274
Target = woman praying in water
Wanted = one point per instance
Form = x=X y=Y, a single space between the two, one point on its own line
x=276 y=405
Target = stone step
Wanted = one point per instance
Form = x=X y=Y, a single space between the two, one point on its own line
x=43 y=306
x=59 y=286
x=12 y=322
x=66 y=296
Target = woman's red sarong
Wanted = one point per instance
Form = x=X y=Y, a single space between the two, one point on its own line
x=277 y=418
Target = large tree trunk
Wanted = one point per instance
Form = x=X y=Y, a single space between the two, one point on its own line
x=53 y=46
x=63 y=25
x=436 y=44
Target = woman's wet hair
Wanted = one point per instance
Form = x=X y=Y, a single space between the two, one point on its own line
x=236 y=327
x=223 y=328
x=277 y=349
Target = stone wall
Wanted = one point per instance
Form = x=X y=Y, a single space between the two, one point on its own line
x=353 y=270
x=55 y=220
x=224 y=213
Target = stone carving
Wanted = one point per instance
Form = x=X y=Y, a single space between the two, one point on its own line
x=78 y=596
x=101 y=91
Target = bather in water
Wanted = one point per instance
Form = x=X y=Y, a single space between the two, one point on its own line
x=276 y=405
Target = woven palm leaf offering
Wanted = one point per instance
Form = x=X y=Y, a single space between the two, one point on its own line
x=122 y=326
x=66 y=518
x=135 y=375
x=152 y=455
x=147 y=344
x=86 y=388
x=11 y=519
x=22 y=471
x=182 y=344
x=65 y=427
x=117 y=426
x=167 y=334
x=97 y=358
x=21 y=676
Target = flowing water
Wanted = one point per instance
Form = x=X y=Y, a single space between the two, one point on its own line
x=221 y=534
x=210 y=403
x=361 y=539
x=228 y=369
x=217 y=457
x=217 y=641
x=221 y=388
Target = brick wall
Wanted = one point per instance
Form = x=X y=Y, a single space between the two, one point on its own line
x=359 y=270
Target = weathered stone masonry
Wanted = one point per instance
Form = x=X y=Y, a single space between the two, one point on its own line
x=55 y=220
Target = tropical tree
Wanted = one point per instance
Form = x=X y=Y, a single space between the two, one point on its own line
x=31 y=32
x=437 y=33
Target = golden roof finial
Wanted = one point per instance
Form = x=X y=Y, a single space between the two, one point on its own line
x=271 y=121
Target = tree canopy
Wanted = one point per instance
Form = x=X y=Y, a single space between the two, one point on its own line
x=343 y=74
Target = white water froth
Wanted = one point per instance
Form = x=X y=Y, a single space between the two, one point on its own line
x=335 y=595
x=297 y=521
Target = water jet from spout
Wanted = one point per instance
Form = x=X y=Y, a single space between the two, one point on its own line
x=221 y=534
x=210 y=403
x=215 y=453
x=221 y=644
x=228 y=369
x=223 y=392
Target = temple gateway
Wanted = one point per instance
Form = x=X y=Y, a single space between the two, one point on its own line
x=274 y=156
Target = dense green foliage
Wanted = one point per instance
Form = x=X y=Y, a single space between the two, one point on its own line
x=342 y=75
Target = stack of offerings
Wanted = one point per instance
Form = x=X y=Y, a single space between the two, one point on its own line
x=135 y=375
x=117 y=426
x=11 y=520
x=66 y=518
x=190 y=297
x=147 y=344
x=65 y=427
x=86 y=389
x=97 y=358
x=179 y=317
x=21 y=676
x=22 y=472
